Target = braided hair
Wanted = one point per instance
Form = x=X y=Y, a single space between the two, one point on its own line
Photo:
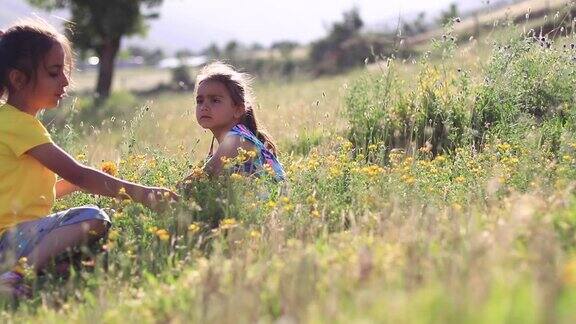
x=239 y=87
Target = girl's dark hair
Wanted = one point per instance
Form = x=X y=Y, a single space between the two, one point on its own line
x=24 y=46
x=239 y=87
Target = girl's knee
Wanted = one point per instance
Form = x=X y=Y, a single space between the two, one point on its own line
x=92 y=211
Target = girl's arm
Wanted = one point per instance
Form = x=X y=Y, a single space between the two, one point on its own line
x=64 y=188
x=94 y=181
x=227 y=149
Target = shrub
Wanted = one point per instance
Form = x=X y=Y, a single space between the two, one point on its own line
x=435 y=113
x=523 y=78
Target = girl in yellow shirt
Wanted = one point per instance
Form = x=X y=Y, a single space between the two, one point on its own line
x=35 y=64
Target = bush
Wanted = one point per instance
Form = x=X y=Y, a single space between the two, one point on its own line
x=181 y=78
x=524 y=85
x=523 y=78
x=434 y=114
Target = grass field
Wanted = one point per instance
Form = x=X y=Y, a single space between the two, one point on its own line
x=438 y=190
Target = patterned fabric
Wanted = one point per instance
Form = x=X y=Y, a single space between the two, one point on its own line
x=263 y=155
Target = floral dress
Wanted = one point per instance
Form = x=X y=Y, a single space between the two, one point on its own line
x=263 y=156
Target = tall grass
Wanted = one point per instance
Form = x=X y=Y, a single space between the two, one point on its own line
x=449 y=198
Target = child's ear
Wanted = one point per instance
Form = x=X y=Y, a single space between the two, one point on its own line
x=239 y=111
x=17 y=79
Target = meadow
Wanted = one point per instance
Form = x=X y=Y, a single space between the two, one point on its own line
x=433 y=189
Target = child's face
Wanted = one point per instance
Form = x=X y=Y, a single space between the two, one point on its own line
x=215 y=108
x=51 y=81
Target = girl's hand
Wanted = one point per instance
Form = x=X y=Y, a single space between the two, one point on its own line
x=97 y=182
x=156 y=198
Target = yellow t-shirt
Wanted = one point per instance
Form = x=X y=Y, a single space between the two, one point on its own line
x=27 y=188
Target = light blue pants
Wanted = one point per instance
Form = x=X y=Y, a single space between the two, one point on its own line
x=20 y=240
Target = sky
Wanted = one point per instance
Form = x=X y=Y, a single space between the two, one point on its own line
x=195 y=24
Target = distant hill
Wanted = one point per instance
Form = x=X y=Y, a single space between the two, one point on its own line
x=484 y=20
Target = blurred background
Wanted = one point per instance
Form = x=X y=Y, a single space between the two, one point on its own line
x=163 y=41
x=136 y=56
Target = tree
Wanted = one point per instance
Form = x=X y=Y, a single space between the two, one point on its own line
x=150 y=56
x=285 y=47
x=183 y=53
x=417 y=26
x=448 y=15
x=231 y=49
x=256 y=46
x=340 y=33
x=212 y=51
x=100 y=25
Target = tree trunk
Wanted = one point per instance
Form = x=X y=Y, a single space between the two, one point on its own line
x=107 y=54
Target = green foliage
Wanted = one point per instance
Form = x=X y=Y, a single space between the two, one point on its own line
x=447 y=16
x=415 y=27
x=434 y=114
x=92 y=23
x=523 y=85
x=406 y=222
x=343 y=47
x=119 y=105
x=98 y=27
x=182 y=79
x=524 y=79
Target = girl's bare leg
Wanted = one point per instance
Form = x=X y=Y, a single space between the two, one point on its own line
x=59 y=240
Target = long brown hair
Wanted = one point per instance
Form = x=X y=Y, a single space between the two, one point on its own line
x=25 y=45
x=239 y=86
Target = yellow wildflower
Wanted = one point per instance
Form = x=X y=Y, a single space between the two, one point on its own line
x=255 y=234
x=228 y=223
x=268 y=169
x=226 y=162
x=335 y=171
x=163 y=234
x=440 y=159
x=197 y=173
x=22 y=266
x=252 y=154
x=236 y=176
x=122 y=194
x=311 y=200
x=113 y=235
x=193 y=228
x=347 y=145
x=315 y=214
x=109 y=167
x=504 y=146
